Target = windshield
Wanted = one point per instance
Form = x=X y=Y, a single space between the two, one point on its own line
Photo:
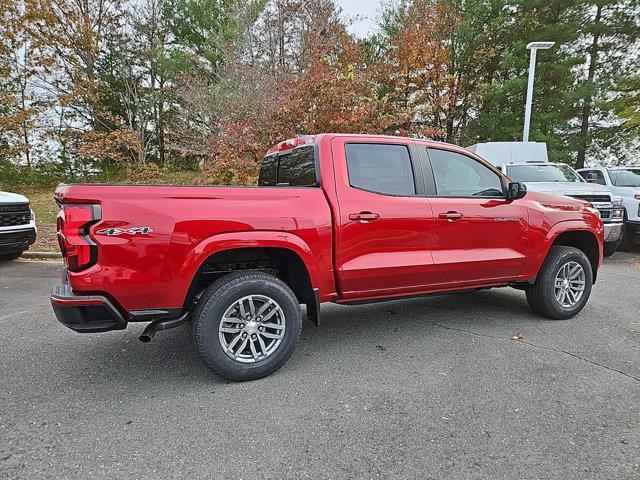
x=625 y=177
x=542 y=173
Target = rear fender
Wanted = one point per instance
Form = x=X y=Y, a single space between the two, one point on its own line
x=253 y=239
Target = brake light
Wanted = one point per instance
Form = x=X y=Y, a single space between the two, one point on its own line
x=288 y=144
x=73 y=223
x=291 y=143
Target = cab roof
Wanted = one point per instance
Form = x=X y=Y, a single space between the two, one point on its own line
x=294 y=142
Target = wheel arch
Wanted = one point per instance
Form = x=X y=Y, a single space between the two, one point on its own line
x=585 y=241
x=282 y=254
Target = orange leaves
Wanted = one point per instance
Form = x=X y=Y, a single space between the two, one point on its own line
x=420 y=67
x=333 y=90
x=104 y=146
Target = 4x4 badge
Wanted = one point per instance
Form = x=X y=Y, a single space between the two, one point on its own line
x=128 y=231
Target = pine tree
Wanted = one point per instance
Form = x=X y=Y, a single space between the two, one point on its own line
x=502 y=76
x=609 y=34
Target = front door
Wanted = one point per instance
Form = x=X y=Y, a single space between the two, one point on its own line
x=479 y=236
x=384 y=221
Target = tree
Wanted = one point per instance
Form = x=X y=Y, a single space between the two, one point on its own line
x=610 y=30
x=627 y=105
x=318 y=81
x=203 y=30
x=72 y=35
x=136 y=83
x=20 y=105
x=501 y=77
x=420 y=64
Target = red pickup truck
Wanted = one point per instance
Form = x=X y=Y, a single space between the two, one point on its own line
x=334 y=218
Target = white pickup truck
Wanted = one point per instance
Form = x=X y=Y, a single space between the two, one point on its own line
x=623 y=182
x=17 y=225
x=528 y=162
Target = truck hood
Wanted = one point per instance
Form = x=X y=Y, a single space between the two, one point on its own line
x=554 y=200
x=6 y=197
x=567 y=188
x=625 y=191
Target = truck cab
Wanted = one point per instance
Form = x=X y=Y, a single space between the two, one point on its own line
x=624 y=182
x=528 y=162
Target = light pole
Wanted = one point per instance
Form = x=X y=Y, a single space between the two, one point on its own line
x=534 y=47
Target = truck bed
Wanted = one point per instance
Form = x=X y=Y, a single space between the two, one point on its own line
x=187 y=224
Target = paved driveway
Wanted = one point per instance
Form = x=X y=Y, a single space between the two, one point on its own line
x=424 y=388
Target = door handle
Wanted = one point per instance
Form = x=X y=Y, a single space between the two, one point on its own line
x=450 y=216
x=364 y=217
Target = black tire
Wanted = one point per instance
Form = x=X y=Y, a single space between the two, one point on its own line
x=626 y=243
x=220 y=296
x=610 y=248
x=541 y=295
x=6 y=257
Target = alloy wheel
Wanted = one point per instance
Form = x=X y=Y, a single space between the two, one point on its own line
x=252 y=328
x=569 y=284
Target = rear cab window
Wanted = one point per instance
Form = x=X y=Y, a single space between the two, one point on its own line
x=295 y=168
x=269 y=171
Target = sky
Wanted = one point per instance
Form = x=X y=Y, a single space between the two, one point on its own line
x=365 y=10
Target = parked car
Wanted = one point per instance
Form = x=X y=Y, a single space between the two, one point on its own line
x=335 y=218
x=625 y=182
x=527 y=162
x=17 y=225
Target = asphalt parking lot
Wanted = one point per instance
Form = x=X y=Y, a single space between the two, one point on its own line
x=424 y=388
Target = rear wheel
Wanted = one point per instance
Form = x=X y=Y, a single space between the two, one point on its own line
x=563 y=285
x=247 y=325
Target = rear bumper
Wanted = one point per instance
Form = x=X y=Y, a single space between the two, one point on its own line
x=16 y=240
x=85 y=313
x=612 y=232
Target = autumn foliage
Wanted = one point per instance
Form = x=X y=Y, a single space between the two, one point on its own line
x=95 y=88
x=334 y=91
x=420 y=68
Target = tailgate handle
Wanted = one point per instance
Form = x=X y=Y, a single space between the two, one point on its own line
x=364 y=217
x=450 y=216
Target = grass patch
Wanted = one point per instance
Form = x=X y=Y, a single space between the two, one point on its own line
x=45 y=208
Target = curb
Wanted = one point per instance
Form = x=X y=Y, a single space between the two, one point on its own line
x=42 y=255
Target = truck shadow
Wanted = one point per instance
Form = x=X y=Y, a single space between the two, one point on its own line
x=365 y=330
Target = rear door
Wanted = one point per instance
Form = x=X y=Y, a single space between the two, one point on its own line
x=384 y=222
x=479 y=235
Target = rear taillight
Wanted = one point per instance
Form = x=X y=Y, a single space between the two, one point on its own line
x=73 y=223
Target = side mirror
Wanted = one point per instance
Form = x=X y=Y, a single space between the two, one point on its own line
x=516 y=190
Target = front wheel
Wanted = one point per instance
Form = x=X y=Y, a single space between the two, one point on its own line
x=247 y=325
x=563 y=285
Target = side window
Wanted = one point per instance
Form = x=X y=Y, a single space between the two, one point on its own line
x=457 y=175
x=268 y=171
x=593 y=176
x=380 y=168
x=298 y=168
